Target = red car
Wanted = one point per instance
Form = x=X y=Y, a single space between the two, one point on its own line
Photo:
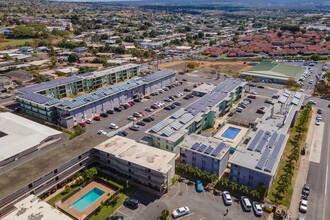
x=82 y=124
x=260 y=111
x=142 y=113
x=195 y=85
x=97 y=118
x=154 y=106
x=130 y=103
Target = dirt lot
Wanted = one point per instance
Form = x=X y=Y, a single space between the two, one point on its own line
x=223 y=66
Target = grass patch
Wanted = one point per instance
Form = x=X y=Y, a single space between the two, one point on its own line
x=61 y=195
x=15 y=42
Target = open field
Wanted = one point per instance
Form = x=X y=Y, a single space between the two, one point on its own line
x=14 y=42
x=224 y=66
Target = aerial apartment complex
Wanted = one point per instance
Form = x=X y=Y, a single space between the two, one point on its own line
x=43 y=100
x=201 y=114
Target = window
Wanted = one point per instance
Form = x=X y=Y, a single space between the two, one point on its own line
x=250 y=177
x=55 y=171
x=236 y=166
x=149 y=170
x=79 y=157
x=149 y=177
x=193 y=158
x=129 y=163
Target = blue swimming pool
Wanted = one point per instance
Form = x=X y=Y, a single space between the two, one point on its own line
x=231 y=133
x=90 y=197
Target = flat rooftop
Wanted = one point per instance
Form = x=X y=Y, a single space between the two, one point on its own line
x=204 y=88
x=207 y=146
x=33 y=208
x=137 y=153
x=26 y=173
x=20 y=134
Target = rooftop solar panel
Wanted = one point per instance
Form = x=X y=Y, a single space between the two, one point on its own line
x=195 y=146
x=218 y=149
x=209 y=150
x=272 y=140
x=186 y=118
x=168 y=132
x=262 y=142
x=263 y=159
x=178 y=113
x=177 y=125
x=255 y=140
x=202 y=148
x=274 y=155
x=159 y=126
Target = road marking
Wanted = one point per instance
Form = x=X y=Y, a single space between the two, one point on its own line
x=326 y=179
x=316 y=148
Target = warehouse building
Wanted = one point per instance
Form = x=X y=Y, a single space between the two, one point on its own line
x=142 y=163
x=276 y=72
x=206 y=153
x=201 y=114
x=20 y=137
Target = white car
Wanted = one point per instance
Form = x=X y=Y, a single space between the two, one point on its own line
x=131 y=118
x=180 y=212
x=318 y=122
x=319 y=118
x=303 y=205
x=102 y=132
x=148 y=109
x=89 y=121
x=136 y=114
x=113 y=126
x=257 y=208
x=227 y=198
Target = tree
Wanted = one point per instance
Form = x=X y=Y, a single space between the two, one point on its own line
x=90 y=173
x=262 y=190
x=235 y=39
x=165 y=213
x=188 y=168
x=200 y=34
x=224 y=182
x=233 y=186
x=22 y=31
x=187 y=29
x=197 y=172
x=205 y=175
x=120 y=50
x=73 y=58
x=243 y=189
x=214 y=178
x=255 y=194
x=279 y=34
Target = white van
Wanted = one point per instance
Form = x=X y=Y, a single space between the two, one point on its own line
x=246 y=204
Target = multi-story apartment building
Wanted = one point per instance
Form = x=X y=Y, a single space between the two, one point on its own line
x=147 y=165
x=201 y=114
x=206 y=153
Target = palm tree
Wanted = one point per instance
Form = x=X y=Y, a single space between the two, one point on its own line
x=187 y=168
x=197 y=172
x=233 y=186
x=205 y=175
x=243 y=189
x=224 y=182
x=165 y=213
x=214 y=178
x=255 y=194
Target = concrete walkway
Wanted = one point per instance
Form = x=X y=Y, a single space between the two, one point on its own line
x=303 y=169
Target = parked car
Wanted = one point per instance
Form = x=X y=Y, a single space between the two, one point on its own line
x=111 y=112
x=262 y=107
x=246 y=204
x=252 y=96
x=261 y=87
x=132 y=203
x=136 y=114
x=141 y=123
x=122 y=133
x=318 y=122
x=117 y=109
x=312 y=102
x=195 y=86
x=113 y=126
x=165 y=89
x=239 y=109
x=301 y=217
x=180 y=212
x=173 y=106
x=319 y=118
x=319 y=111
x=269 y=101
x=101 y=132
x=275 y=96
x=97 y=118
x=127 y=105
x=154 y=106
x=167 y=108
x=147 y=119
x=131 y=118
x=303 y=205
x=148 y=109
x=187 y=90
x=199 y=186
x=227 y=198
x=177 y=103
x=167 y=100
x=104 y=115
x=306 y=189
x=147 y=97
x=257 y=208
x=89 y=121
x=134 y=127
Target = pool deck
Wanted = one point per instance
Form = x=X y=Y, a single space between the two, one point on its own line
x=236 y=140
x=67 y=204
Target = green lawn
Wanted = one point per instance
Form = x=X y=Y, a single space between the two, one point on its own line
x=61 y=195
x=15 y=42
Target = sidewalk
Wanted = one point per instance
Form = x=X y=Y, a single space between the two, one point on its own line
x=303 y=170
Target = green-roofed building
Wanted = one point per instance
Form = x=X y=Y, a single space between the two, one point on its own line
x=271 y=71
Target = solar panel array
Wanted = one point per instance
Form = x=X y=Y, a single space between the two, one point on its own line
x=35 y=97
x=298 y=95
x=283 y=99
x=214 y=97
x=202 y=148
x=157 y=75
x=274 y=155
x=295 y=101
x=263 y=142
x=168 y=132
x=255 y=140
x=272 y=140
x=209 y=150
x=178 y=113
x=186 y=118
x=177 y=125
x=195 y=146
x=263 y=159
x=218 y=149
x=159 y=126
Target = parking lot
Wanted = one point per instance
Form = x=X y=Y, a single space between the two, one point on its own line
x=249 y=114
x=205 y=205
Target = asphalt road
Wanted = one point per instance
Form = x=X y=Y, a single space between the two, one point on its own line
x=318 y=174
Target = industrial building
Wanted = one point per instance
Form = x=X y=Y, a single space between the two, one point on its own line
x=42 y=100
x=20 y=137
x=201 y=114
x=276 y=72
x=206 y=153
x=142 y=163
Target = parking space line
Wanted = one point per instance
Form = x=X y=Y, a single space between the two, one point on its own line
x=187 y=215
x=122 y=213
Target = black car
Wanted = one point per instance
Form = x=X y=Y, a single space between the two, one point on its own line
x=152 y=118
x=123 y=106
x=184 y=80
x=117 y=109
x=111 y=112
x=187 y=90
x=122 y=133
x=319 y=111
x=147 y=97
x=173 y=106
x=167 y=108
x=171 y=97
x=306 y=189
x=115 y=218
x=127 y=105
x=177 y=103
x=169 y=87
x=141 y=123
x=133 y=203
x=104 y=115
x=137 y=100
x=261 y=87
x=186 y=97
x=147 y=119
